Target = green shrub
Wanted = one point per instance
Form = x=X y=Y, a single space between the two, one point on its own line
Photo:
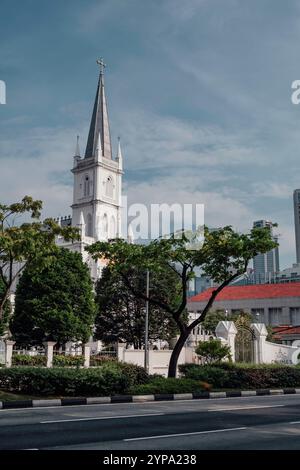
x=213 y=351
x=62 y=360
x=99 y=360
x=244 y=376
x=213 y=375
x=27 y=360
x=109 y=379
x=168 y=385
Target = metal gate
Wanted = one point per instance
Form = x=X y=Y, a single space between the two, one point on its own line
x=244 y=344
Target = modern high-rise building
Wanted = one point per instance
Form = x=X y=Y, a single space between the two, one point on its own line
x=265 y=265
x=297 y=222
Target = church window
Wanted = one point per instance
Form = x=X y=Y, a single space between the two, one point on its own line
x=105 y=224
x=86 y=188
x=112 y=227
x=89 y=226
x=109 y=187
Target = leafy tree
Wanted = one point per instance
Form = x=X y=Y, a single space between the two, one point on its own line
x=213 y=351
x=55 y=303
x=212 y=319
x=121 y=314
x=223 y=256
x=29 y=243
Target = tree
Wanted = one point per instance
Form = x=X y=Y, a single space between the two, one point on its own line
x=29 y=243
x=121 y=314
x=212 y=319
x=223 y=256
x=213 y=351
x=55 y=303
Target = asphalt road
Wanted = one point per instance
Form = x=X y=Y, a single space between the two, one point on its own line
x=267 y=422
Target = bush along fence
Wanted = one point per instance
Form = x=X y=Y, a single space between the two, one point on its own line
x=49 y=358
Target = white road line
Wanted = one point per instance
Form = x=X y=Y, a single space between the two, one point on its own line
x=245 y=407
x=100 y=418
x=162 y=436
x=294 y=422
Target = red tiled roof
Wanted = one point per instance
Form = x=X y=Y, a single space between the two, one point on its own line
x=280 y=331
x=256 y=291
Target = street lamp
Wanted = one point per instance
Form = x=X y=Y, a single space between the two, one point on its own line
x=146 y=358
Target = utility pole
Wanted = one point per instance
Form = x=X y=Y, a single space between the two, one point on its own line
x=146 y=359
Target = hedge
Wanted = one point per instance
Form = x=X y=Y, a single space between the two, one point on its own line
x=169 y=385
x=62 y=360
x=244 y=376
x=101 y=381
x=27 y=360
x=99 y=360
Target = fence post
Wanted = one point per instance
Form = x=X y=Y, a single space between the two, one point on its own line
x=49 y=345
x=8 y=352
x=86 y=353
x=227 y=331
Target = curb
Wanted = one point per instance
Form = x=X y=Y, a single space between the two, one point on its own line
x=143 y=398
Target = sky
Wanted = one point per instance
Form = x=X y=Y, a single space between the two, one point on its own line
x=198 y=90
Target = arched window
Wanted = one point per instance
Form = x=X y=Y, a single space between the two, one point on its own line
x=104 y=225
x=86 y=186
x=112 y=227
x=109 y=187
x=89 y=226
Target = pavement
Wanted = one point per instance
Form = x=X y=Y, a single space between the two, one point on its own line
x=246 y=423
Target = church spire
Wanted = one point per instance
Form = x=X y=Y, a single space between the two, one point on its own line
x=99 y=124
x=77 y=149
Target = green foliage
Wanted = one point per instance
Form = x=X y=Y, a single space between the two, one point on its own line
x=101 y=359
x=55 y=303
x=27 y=360
x=243 y=376
x=213 y=351
x=101 y=381
x=168 y=385
x=121 y=313
x=30 y=243
x=212 y=319
x=63 y=360
x=215 y=376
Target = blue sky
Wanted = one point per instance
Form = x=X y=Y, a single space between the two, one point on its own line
x=198 y=90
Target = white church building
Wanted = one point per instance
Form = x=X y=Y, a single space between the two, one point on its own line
x=97 y=190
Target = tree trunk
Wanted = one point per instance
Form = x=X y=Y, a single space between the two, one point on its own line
x=176 y=352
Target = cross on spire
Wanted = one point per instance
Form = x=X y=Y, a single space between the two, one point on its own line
x=101 y=64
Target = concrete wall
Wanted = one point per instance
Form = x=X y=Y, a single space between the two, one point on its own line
x=280 y=353
x=158 y=359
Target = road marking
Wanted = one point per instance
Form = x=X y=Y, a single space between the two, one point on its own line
x=294 y=422
x=245 y=407
x=162 y=436
x=102 y=417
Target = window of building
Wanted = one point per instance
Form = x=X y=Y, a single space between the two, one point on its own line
x=86 y=186
x=109 y=187
x=89 y=226
x=275 y=315
x=112 y=227
x=104 y=224
x=295 y=315
x=258 y=314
